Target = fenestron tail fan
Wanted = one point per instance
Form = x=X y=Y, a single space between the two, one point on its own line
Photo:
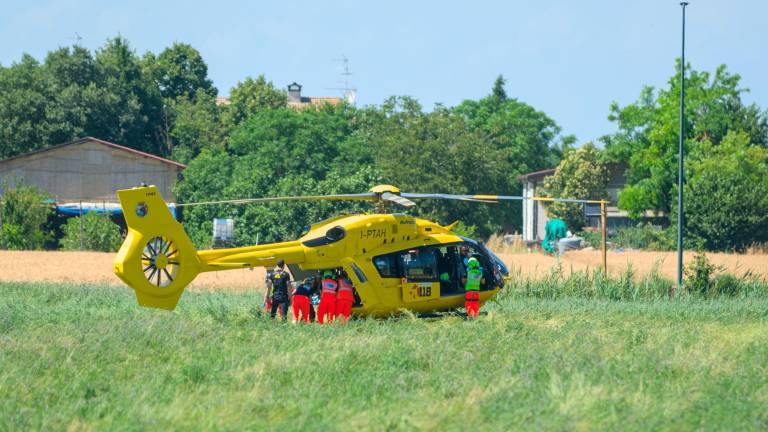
x=158 y=260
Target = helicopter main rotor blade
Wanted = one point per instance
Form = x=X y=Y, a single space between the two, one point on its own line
x=489 y=199
x=397 y=199
x=368 y=196
x=495 y=198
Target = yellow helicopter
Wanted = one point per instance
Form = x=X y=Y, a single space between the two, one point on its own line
x=396 y=261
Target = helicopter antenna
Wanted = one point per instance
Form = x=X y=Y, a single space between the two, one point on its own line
x=350 y=93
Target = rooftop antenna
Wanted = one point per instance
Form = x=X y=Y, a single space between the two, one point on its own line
x=350 y=94
x=77 y=39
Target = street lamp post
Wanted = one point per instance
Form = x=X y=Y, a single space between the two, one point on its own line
x=681 y=174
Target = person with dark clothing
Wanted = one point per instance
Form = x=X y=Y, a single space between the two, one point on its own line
x=280 y=282
x=301 y=303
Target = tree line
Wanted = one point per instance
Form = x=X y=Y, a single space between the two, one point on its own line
x=257 y=146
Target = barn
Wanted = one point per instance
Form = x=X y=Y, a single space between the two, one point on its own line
x=90 y=170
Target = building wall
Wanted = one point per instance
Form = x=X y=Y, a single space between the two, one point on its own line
x=534 y=215
x=89 y=171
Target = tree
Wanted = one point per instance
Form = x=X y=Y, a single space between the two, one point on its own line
x=73 y=94
x=23 y=213
x=180 y=71
x=582 y=174
x=498 y=91
x=278 y=152
x=251 y=96
x=196 y=125
x=23 y=103
x=439 y=152
x=524 y=140
x=130 y=111
x=726 y=194
x=647 y=136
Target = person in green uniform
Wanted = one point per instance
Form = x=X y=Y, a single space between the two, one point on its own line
x=472 y=287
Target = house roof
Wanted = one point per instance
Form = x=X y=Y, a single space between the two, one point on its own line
x=102 y=142
x=536 y=175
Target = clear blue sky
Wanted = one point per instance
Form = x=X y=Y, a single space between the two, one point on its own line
x=567 y=58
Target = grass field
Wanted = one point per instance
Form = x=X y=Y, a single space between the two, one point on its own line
x=82 y=357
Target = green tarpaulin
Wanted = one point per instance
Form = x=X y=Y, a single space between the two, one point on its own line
x=554 y=229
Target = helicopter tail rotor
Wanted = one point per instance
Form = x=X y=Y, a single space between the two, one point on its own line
x=157 y=258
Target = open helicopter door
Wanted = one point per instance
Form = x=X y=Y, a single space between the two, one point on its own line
x=420 y=282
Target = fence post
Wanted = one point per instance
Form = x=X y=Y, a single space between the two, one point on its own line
x=82 y=246
x=604 y=231
x=2 y=233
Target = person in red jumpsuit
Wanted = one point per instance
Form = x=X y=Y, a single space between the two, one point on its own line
x=301 y=304
x=327 y=307
x=345 y=297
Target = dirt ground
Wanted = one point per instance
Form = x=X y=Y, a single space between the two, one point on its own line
x=96 y=267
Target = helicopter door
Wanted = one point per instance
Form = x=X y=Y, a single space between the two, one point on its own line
x=421 y=280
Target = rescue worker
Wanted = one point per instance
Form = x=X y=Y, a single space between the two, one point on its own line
x=326 y=308
x=464 y=250
x=268 y=291
x=345 y=297
x=280 y=281
x=300 y=302
x=472 y=287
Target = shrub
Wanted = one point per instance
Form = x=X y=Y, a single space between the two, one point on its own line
x=642 y=236
x=698 y=275
x=23 y=214
x=99 y=233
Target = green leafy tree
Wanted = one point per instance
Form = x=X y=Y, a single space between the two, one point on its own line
x=278 y=152
x=647 y=136
x=98 y=233
x=439 y=152
x=23 y=103
x=581 y=175
x=196 y=125
x=523 y=140
x=251 y=96
x=180 y=71
x=726 y=194
x=23 y=214
x=131 y=111
x=498 y=91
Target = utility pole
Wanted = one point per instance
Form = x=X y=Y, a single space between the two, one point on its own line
x=681 y=172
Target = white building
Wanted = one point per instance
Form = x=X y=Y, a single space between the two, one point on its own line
x=535 y=212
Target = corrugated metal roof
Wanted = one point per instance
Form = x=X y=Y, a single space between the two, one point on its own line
x=537 y=174
x=102 y=142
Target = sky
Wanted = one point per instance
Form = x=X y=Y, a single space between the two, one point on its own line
x=567 y=58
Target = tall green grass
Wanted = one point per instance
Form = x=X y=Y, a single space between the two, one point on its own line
x=699 y=282
x=87 y=357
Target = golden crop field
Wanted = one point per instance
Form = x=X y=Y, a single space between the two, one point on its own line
x=96 y=267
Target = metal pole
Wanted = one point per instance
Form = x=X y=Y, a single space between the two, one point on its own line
x=2 y=236
x=604 y=231
x=681 y=172
x=82 y=246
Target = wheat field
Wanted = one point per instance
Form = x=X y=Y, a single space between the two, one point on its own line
x=96 y=267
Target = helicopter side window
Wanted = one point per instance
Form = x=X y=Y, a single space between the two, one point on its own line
x=420 y=264
x=387 y=265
